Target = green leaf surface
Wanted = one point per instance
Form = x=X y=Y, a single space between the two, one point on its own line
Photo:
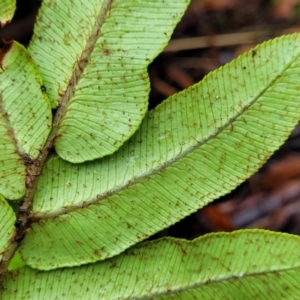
x=249 y=264
x=16 y=262
x=193 y=148
x=7 y=228
x=25 y=117
x=7 y=10
x=95 y=69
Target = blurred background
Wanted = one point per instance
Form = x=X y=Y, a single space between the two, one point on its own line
x=212 y=33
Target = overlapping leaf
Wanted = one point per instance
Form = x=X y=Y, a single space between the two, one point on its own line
x=7 y=10
x=196 y=146
x=94 y=60
x=250 y=264
x=7 y=228
x=25 y=117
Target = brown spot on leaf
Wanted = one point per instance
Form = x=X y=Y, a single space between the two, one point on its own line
x=107 y=52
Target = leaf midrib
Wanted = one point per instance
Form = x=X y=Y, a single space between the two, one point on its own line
x=80 y=65
x=156 y=170
x=9 y=127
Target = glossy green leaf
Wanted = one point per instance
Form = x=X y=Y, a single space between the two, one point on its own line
x=249 y=264
x=7 y=228
x=25 y=117
x=193 y=148
x=7 y=10
x=95 y=69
